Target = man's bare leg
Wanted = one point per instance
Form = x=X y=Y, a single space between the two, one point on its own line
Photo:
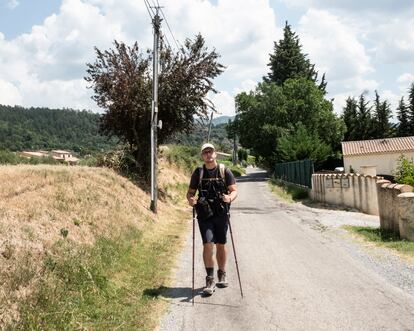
x=208 y=258
x=208 y=255
x=221 y=261
x=221 y=255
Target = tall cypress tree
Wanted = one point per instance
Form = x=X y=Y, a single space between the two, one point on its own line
x=288 y=61
x=349 y=117
x=411 y=109
x=402 y=115
x=363 y=127
x=381 y=121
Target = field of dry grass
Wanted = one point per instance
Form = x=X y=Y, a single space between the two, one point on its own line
x=43 y=206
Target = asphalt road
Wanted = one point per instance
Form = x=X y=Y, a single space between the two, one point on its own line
x=295 y=275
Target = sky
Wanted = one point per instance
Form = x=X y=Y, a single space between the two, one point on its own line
x=362 y=46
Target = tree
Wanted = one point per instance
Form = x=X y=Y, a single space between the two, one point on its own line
x=302 y=144
x=121 y=81
x=381 y=120
x=288 y=61
x=403 y=129
x=411 y=109
x=271 y=112
x=349 y=116
x=363 y=128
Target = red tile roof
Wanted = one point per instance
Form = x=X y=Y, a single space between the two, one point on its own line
x=378 y=146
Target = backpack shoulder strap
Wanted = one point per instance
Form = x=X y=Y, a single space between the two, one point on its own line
x=222 y=168
x=201 y=174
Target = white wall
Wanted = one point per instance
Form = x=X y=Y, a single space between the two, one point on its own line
x=357 y=191
x=385 y=163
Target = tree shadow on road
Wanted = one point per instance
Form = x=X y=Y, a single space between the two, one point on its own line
x=261 y=176
x=183 y=293
x=173 y=292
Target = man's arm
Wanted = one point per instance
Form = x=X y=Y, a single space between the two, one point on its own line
x=229 y=198
x=191 y=196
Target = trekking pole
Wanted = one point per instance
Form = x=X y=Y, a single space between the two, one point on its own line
x=193 y=252
x=235 y=257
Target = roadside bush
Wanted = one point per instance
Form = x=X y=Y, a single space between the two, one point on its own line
x=7 y=157
x=296 y=192
x=404 y=173
x=186 y=157
x=90 y=161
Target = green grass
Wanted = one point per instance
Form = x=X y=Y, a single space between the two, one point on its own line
x=186 y=157
x=288 y=192
x=102 y=287
x=384 y=238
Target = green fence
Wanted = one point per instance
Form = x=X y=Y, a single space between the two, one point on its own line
x=298 y=172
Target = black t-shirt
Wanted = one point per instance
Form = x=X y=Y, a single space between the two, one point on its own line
x=211 y=173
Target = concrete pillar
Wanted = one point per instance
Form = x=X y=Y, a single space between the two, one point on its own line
x=385 y=223
x=406 y=215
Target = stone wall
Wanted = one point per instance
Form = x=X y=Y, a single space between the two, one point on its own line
x=396 y=208
x=351 y=190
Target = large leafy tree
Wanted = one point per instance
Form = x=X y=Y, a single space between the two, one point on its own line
x=121 y=81
x=268 y=120
x=303 y=144
x=288 y=61
x=403 y=129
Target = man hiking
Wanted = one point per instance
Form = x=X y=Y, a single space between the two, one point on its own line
x=217 y=189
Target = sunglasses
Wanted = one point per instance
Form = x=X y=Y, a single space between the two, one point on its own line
x=208 y=151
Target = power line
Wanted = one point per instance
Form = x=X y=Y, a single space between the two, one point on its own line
x=149 y=9
x=169 y=28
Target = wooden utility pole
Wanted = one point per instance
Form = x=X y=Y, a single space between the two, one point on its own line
x=156 y=22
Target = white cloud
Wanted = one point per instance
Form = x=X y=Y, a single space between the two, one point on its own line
x=47 y=65
x=224 y=103
x=12 y=4
x=245 y=86
x=334 y=47
x=9 y=94
x=405 y=78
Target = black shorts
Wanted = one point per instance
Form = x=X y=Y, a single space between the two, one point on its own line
x=214 y=229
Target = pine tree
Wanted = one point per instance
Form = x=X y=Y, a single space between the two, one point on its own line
x=381 y=121
x=288 y=61
x=349 y=117
x=363 y=127
x=411 y=109
x=402 y=115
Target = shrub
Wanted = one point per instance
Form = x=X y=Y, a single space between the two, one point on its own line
x=405 y=171
x=7 y=157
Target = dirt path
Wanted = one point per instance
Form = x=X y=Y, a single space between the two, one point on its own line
x=298 y=273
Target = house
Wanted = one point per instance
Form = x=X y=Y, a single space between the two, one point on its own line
x=58 y=155
x=381 y=154
x=64 y=156
x=29 y=155
x=223 y=156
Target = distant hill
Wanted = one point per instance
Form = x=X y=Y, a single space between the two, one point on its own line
x=222 y=119
x=218 y=137
x=44 y=128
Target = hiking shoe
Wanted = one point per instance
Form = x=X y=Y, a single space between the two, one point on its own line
x=222 y=279
x=210 y=286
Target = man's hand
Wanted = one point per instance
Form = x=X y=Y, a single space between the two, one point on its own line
x=226 y=198
x=192 y=201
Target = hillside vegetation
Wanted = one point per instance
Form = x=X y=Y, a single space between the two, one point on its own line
x=44 y=128
x=79 y=248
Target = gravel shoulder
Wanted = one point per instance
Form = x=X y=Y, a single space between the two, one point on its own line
x=300 y=271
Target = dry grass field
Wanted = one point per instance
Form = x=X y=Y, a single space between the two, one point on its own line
x=57 y=220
